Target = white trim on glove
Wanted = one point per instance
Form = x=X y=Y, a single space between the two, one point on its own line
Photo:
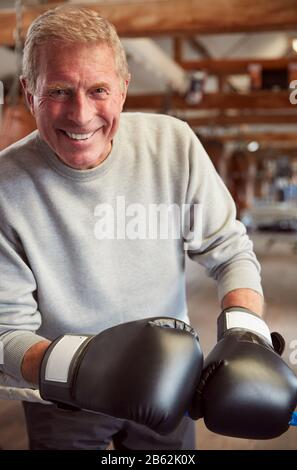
x=247 y=321
x=60 y=358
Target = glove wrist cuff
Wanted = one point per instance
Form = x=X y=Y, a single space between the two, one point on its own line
x=57 y=367
x=60 y=356
x=243 y=319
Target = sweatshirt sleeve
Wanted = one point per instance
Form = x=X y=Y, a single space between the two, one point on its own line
x=19 y=317
x=217 y=240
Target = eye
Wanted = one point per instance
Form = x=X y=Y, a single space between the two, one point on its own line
x=59 y=93
x=100 y=92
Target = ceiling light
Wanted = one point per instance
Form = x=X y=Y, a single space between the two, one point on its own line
x=253 y=146
x=294 y=44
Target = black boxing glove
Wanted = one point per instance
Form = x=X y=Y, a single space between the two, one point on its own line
x=144 y=371
x=246 y=390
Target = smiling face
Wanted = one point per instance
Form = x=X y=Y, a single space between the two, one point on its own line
x=77 y=102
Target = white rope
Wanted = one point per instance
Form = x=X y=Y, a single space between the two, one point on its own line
x=13 y=389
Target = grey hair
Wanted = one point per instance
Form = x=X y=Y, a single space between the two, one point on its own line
x=73 y=25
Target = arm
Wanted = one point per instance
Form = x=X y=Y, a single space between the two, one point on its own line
x=32 y=360
x=19 y=315
x=221 y=244
x=247 y=298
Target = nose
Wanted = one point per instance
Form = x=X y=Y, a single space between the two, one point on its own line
x=80 y=110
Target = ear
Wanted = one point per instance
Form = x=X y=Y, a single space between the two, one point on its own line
x=125 y=90
x=28 y=94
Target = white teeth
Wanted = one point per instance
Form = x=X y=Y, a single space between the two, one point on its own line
x=79 y=136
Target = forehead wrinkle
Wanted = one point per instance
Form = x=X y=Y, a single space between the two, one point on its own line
x=81 y=71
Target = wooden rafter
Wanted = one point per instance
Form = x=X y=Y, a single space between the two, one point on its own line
x=199 y=47
x=236 y=66
x=235 y=120
x=178 y=49
x=284 y=137
x=171 y=17
x=253 y=100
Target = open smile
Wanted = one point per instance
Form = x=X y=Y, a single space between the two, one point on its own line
x=71 y=135
x=79 y=137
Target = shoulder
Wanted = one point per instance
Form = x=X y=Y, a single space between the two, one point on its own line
x=16 y=150
x=15 y=154
x=16 y=160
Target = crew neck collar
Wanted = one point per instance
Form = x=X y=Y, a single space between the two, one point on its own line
x=72 y=173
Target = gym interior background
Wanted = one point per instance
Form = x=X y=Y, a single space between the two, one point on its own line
x=228 y=68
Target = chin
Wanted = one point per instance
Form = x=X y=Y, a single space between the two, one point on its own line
x=81 y=163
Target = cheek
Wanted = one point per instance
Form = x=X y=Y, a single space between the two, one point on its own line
x=113 y=106
x=47 y=111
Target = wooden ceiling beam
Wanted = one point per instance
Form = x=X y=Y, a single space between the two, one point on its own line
x=236 y=66
x=254 y=100
x=178 y=49
x=171 y=17
x=223 y=120
x=285 y=137
x=199 y=47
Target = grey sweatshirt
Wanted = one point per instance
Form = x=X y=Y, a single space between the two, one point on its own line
x=80 y=250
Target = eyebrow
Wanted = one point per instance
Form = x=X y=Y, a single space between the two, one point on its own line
x=55 y=85
x=100 y=85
